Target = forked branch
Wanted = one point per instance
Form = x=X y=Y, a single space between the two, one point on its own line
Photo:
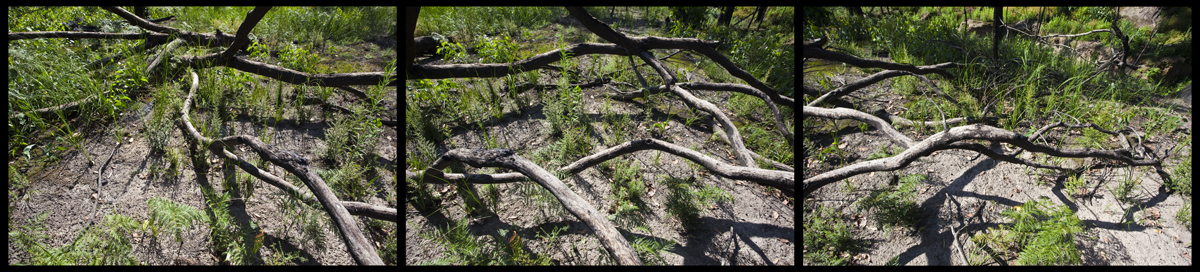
x=951 y=140
x=360 y=247
x=500 y=157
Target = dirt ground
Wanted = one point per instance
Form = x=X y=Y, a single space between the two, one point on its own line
x=66 y=189
x=1155 y=237
x=757 y=228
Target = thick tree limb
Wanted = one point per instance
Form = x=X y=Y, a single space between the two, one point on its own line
x=820 y=53
x=946 y=139
x=503 y=69
x=289 y=75
x=243 y=33
x=735 y=137
x=783 y=180
x=355 y=208
x=500 y=157
x=360 y=248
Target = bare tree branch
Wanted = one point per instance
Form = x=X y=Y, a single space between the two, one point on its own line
x=944 y=140
x=605 y=231
x=360 y=248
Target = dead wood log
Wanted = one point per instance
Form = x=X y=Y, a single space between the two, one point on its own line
x=360 y=248
x=612 y=240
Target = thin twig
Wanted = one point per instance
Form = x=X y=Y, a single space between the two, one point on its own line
x=99 y=177
x=952 y=232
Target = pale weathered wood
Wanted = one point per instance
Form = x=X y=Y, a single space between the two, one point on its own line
x=360 y=248
x=506 y=158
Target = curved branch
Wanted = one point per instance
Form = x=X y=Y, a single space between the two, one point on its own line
x=503 y=69
x=782 y=180
x=944 y=140
x=360 y=248
x=605 y=231
x=844 y=113
x=735 y=137
x=355 y=208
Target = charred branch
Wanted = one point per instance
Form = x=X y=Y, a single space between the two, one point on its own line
x=814 y=51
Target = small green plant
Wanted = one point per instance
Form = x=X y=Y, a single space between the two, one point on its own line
x=175 y=158
x=1042 y=234
x=832 y=150
x=171 y=216
x=651 y=247
x=685 y=198
x=885 y=153
x=828 y=239
x=1125 y=188
x=351 y=181
x=1075 y=185
x=660 y=129
x=627 y=186
x=894 y=206
x=493 y=195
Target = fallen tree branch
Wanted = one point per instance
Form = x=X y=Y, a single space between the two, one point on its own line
x=354 y=208
x=506 y=158
x=843 y=113
x=813 y=51
x=356 y=242
x=946 y=140
x=783 y=180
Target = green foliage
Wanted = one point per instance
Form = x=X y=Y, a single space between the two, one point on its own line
x=828 y=239
x=1046 y=233
x=693 y=16
x=496 y=49
x=353 y=139
x=351 y=182
x=300 y=59
x=685 y=198
x=646 y=247
x=172 y=217
x=1075 y=184
x=566 y=110
x=1043 y=235
x=627 y=181
x=894 y=205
